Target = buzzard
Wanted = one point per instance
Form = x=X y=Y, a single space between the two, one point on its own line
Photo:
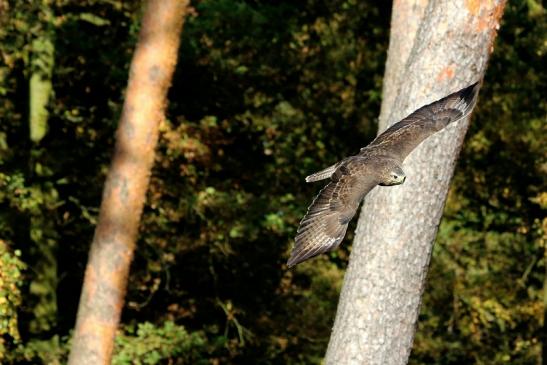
x=379 y=163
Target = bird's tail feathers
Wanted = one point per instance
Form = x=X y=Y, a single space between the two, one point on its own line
x=323 y=174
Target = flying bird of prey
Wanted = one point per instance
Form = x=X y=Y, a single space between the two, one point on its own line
x=379 y=163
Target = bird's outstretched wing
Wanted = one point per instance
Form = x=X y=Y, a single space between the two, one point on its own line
x=402 y=137
x=325 y=224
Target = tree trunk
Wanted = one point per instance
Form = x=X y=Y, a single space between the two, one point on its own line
x=43 y=287
x=40 y=85
x=405 y=21
x=125 y=188
x=380 y=299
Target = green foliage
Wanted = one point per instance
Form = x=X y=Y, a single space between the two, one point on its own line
x=11 y=280
x=275 y=88
x=264 y=94
x=148 y=344
x=52 y=351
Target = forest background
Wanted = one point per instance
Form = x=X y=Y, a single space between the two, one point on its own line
x=265 y=92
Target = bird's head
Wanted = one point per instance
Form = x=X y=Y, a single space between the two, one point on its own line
x=392 y=174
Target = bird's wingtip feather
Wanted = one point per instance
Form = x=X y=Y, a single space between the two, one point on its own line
x=295 y=259
x=470 y=92
x=290 y=264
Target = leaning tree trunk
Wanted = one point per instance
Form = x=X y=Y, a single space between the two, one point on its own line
x=379 y=304
x=125 y=188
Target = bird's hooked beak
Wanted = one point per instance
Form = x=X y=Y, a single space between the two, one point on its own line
x=398 y=180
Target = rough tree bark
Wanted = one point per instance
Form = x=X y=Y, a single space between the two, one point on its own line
x=124 y=192
x=379 y=304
